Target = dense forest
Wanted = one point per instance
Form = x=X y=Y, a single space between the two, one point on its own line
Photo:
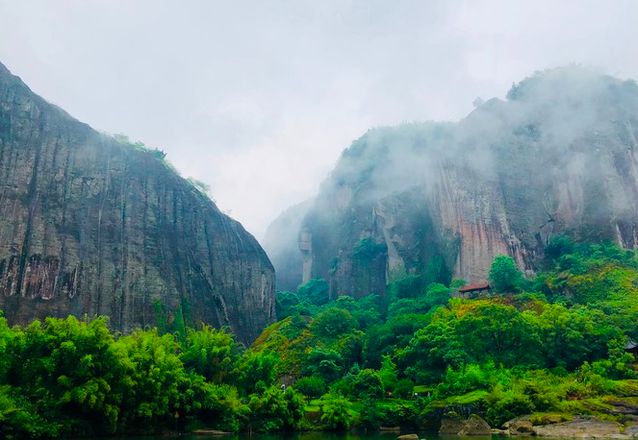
x=551 y=345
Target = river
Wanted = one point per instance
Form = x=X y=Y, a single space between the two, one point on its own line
x=304 y=436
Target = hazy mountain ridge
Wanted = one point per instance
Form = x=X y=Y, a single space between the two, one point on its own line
x=281 y=244
x=89 y=225
x=442 y=199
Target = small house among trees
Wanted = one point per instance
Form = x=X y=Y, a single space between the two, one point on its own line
x=475 y=289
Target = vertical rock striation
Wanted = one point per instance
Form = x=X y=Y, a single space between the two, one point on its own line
x=92 y=226
x=558 y=156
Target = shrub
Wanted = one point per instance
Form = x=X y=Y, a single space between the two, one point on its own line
x=311 y=386
x=403 y=389
x=336 y=412
x=503 y=405
x=315 y=291
x=367 y=384
x=409 y=286
x=276 y=410
x=333 y=322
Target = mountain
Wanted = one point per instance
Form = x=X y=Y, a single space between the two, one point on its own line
x=93 y=225
x=281 y=244
x=440 y=200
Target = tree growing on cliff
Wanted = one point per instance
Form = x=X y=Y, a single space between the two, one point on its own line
x=504 y=274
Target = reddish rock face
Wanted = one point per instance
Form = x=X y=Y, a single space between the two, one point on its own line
x=92 y=226
x=559 y=156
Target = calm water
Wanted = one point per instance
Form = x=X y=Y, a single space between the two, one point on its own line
x=306 y=436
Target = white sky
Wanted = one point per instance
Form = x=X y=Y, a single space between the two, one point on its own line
x=258 y=98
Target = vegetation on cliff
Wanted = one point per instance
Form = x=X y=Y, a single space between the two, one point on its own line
x=553 y=344
x=558 y=156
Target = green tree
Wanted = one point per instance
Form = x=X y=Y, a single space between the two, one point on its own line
x=72 y=371
x=436 y=294
x=256 y=371
x=286 y=304
x=210 y=352
x=498 y=332
x=432 y=349
x=324 y=363
x=393 y=335
x=409 y=286
x=388 y=374
x=504 y=275
x=6 y=337
x=158 y=392
x=368 y=384
x=568 y=337
x=316 y=291
x=276 y=410
x=18 y=418
x=333 y=322
x=403 y=389
x=311 y=386
x=336 y=412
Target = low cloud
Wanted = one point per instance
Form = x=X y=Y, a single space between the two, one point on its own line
x=258 y=99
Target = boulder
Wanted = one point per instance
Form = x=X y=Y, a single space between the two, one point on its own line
x=521 y=427
x=451 y=426
x=474 y=425
x=408 y=437
x=583 y=428
x=631 y=431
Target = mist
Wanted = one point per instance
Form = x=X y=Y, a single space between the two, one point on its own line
x=556 y=154
x=258 y=99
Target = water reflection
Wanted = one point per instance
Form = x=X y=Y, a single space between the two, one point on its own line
x=315 y=435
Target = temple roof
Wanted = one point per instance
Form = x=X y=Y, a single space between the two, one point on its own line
x=481 y=285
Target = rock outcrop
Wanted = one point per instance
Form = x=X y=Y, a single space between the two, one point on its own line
x=587 y=427
x=92 y=226
x=281 y=243
x=473 y=425
x=440 y=200
x=581 y=428
x=578 y=427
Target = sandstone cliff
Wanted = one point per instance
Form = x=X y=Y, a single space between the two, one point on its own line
x=559 y=155
x=93 y=226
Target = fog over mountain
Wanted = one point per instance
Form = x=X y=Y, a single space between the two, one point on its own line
x=258 y=99
x=441 y=200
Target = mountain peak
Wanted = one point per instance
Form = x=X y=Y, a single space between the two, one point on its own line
x=568 y=82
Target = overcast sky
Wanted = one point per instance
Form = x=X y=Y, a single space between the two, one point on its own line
x=259 y=98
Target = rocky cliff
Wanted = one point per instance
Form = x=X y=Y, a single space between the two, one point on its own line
x=90 y=225
x=440 y=200
x=281 y=242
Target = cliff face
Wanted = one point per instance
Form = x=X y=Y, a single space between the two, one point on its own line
x=281 y=243
x=442 y=199
x=92 y=226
